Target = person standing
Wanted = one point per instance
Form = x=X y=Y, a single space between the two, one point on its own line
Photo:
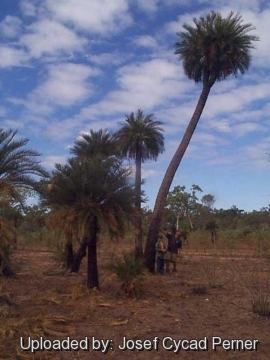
x=172 y=251
x=179 y=241
x=161 y=249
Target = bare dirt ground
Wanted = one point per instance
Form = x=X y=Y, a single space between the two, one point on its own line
x=209 y=296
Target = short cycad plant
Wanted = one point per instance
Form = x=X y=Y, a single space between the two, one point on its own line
x=261 y=305
x=130 y=273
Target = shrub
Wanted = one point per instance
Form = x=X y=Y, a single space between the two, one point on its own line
x=130 y=273
x=199 y=290
x=261 y=306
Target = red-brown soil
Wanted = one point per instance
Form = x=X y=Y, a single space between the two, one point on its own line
x=210 y=296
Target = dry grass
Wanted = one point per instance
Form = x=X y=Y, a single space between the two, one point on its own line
x=59 y=305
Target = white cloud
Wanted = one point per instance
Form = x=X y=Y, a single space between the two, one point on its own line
x=48 y=37
x=252 y=115
x=260 y=55
x=49 y=161
x=257 y=154
x=100 y=16
x=66 y=84
x=221 y=160
x=150 y=6
x=106 y=59
x=173 y=27
x=72 y=128
x=176 y=117
x=28 y=8
x=61 y=129
x=232 y=4
x=111 y=123
x=247 y=127
x=12 y=57
x=3 y=111
x=146 y=41
x=10 y=27
x=224 y=86
x=146 y=173
x=235 y=100
x=207 y=139
x=13 y=124
x=33 y=105
x=221 y=125
x=144 y=85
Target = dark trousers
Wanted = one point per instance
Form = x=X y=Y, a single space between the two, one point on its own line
x=160 y=265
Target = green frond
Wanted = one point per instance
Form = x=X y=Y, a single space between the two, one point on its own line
x=95 y=143
x=140 y=133
x=18 y=164
x=215 y=47
x=88 y=188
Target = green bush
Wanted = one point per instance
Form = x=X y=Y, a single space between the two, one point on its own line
x=130 y=273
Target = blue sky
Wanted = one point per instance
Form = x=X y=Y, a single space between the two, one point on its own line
x=68 y=66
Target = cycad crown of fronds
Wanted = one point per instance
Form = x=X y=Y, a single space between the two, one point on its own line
x=93 y=188
x=17 y=164
x=95 y=143
x=144 y=132
x=215 y=47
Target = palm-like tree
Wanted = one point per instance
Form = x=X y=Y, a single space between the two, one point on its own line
x=64 y=219
x=99 y=193
x=211 y=51
x=102 y=144
x=7 y=232
x=96 y=143
x=18 y=164
x=140 y=138
x=17 y=167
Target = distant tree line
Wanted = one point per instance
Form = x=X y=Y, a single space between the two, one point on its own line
x=184 y=209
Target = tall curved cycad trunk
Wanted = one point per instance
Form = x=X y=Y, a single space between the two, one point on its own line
x=211 y=51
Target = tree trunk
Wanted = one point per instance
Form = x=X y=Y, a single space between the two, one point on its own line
x=189 y=220
x=178 y=217
x=69 y=251
x=81 y=253
x=168 y=178
x=5 y=266
x=92 y=275
x=138 y=215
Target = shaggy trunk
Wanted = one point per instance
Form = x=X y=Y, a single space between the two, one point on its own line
x=81 y=253
x=168 y=178
x=138 y=216
x=92 y=275
x=69 y=251
x=5 y=266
